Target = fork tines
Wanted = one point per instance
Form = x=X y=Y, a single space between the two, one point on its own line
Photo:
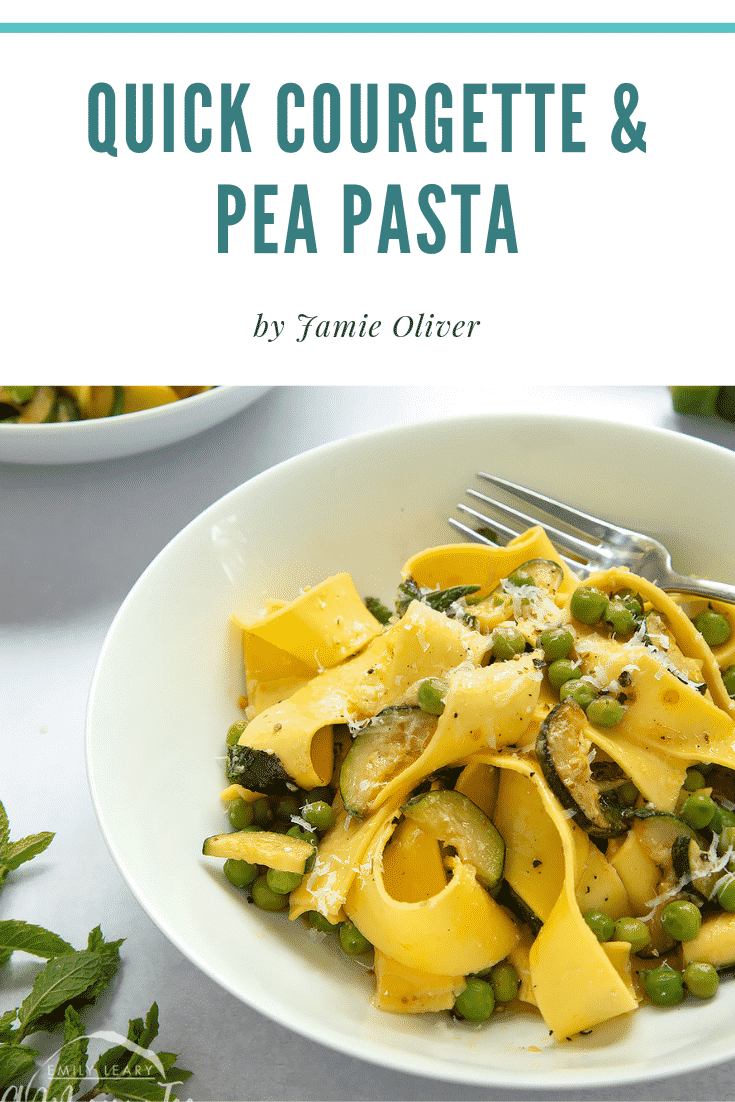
x=565 y=541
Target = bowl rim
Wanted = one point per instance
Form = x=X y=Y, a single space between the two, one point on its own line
x=363 y=1047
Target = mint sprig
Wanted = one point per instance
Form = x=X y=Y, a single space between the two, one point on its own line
x=69 y=981
x=15 y=934
x=13 y=854
x=71 y=1066
x=64 y=978
x=15 y=1063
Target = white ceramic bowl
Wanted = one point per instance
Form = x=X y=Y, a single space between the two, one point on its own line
x=169 y=675
x=128 y=434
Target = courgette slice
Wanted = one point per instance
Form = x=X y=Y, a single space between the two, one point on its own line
x=261 y=847
x=563 y=749
x=509 y=898
x=257 y=770
x=66 y=408
x=658 y=634
x=40 y=409
x=453 y=819
x=657 y=831
x=608 y=775
x=390 y=742
x=693 y=866
x=117 y=406
x=722 y=782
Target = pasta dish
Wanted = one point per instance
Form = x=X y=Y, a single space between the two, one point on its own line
x=515 y=787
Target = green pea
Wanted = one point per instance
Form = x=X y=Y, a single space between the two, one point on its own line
x=319 y=922
x=694 y=780
x=319 y=815
x=701 y=979
x=265 y=898
x=240 y=873
x=632 y=601
x=698 y=810
x=601 y=925
x=588 y=605
x=728 y=680
x=234 y=732
x=507 y=642
x=580 y=691
x=504 y=981
x=477 y=1002
x=634 y=931
x=605 y=711
x=240 y=814
x=726 y=893
x=431 y=695
x=681 y=919
x=286 y=807
x=351 y=940
x=562 y=670
x=664 y=985
x=303 y=835
x=627 y=794
x=555 y=643
x=262 y=813
x=620 y=619
x=282 y=882
x=520 y=577
x=713 y=626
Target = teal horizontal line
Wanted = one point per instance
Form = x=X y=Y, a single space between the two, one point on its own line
x=367 y=28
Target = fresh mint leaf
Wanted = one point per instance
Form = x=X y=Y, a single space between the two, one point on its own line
x=95 y=938
x=63 y=979
x=15 y=934
x=13 y=854
x=121 y=1059
x=15 y=1062
x=109 y=956
x=150 y=1029
x=4 y=830
x=130 y=1075
x=26 y=848
x=7 y=1021
x=173 y=1074
x=5 y=955
x=71 y=1066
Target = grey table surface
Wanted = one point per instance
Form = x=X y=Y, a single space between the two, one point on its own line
x=73 y=540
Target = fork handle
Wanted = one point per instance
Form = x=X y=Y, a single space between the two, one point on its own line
x=698 y=587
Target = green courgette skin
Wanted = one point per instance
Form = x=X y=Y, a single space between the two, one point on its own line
x=118 y=401
x=452 y=818
x=509 y=898
x=390 y=742
x=610 y=820
x=257 y=770
x=699 y=883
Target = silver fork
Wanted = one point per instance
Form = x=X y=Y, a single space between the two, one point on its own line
x=616 y=547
